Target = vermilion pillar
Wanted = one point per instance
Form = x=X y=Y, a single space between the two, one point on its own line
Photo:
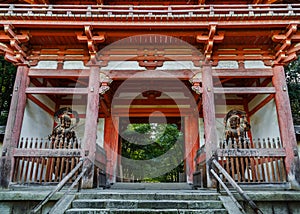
x=191 y=144
x=285 y=121
x=90 y=132
x=111 y=140
x=209 y=117
x=14 y=125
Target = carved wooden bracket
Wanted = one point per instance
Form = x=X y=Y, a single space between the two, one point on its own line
x=197 y=88
x=91 y=40
x=151 y=59
x=288 y=47
x=209 y=41
x=103 y=88
x=104 y=83
x=11 y=45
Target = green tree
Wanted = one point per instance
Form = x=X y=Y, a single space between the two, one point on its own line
x=148 y=141
x=7 y=78
x=292 y=72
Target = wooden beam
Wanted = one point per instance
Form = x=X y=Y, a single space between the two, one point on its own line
x=243 y=73
x=146 y=112
x=152 y=102
x=47 y=152
x=261 y=104
x=54 y=73
x=245 y=90
x=169 y=74
x=40 y=104
x=48 y=90
x=262 y=152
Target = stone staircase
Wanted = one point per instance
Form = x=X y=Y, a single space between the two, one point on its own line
x=147 y=201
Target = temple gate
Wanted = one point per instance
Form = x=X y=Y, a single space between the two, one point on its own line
x=105 y=60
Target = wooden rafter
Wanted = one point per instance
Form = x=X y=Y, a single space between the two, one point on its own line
x=258 y=1
x=36 y=1
x=284 y=53
x=12 y=48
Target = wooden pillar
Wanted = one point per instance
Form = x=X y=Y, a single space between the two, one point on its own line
x=285 y=121
x=209 y=117
x=111 y=139
x=14 y=125
x=90 y=131
x=191 y=145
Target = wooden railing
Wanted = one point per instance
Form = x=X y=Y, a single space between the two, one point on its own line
x=40 y=161
x=149 y=12
x=60 y=185
x=216 y=165
x=260 y=161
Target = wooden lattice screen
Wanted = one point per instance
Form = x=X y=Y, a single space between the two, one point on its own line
x=260 y=161
x=39 y=161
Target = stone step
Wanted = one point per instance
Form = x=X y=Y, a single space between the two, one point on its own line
x=143 y=211
x=147 y=195
x=151 y=186
x=147 y=204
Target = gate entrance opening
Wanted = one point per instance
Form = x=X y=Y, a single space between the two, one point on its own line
x=151 y=150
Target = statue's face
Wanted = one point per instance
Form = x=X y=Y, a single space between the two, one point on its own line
x=234 y=122
x=66 y=121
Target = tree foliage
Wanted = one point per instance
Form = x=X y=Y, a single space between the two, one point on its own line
x=292 y=71
x=7 y=78
x=148 y=141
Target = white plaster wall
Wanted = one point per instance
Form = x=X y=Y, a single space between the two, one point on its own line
x=46 y=64
x=227 y=65
x=100 y=132
x=37 y=123
x=264 y=122
x=255 y=64
x=175 y=65
x=74 y=65
x=201 y=132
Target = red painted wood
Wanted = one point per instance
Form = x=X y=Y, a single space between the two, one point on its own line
x=261 y=104
x=14 y=124
x=209 y=116
x=48 y=90
x=40 y=104
x=111 y=137
x=60 y=73
x=191 y=127
x=245 y=90
x=243 y=73
x=285 y=119
x=90 y=132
